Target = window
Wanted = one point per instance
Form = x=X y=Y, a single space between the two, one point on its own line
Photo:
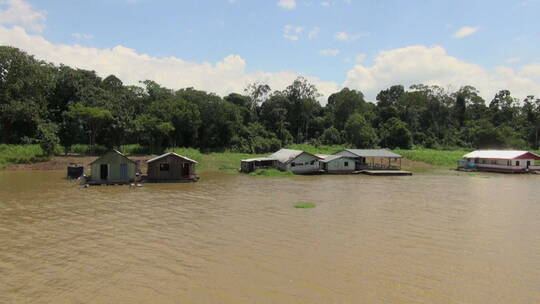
x=346 y=164
x=312 y=162
x=293 y=165
x=163 y=167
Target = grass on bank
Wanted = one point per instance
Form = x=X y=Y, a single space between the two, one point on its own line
x=434 y=157
x=225 y=161
x=20 y=154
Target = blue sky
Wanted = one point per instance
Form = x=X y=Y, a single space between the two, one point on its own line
x=367 y=45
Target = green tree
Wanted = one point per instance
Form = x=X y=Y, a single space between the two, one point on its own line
x=331 y=136
x=359 y=132
x=48 y=139
x=395 y=134
x=92 y=118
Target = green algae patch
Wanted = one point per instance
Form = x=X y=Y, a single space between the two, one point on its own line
x=304 y=205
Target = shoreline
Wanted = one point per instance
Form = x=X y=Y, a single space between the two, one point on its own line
x=215 y=161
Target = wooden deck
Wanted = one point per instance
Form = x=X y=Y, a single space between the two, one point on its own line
x=386 y=172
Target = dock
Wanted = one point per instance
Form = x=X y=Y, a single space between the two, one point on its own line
x=386 y=172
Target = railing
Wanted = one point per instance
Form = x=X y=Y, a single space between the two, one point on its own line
x=378 y=167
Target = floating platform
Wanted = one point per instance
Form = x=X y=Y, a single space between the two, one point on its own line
x=386 y=172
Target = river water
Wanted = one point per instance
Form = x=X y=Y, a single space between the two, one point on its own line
x=429 y=238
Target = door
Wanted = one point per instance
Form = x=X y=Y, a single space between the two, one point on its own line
x=123 y=171
x=185 y=170
x=528 y=164
x=104 y=171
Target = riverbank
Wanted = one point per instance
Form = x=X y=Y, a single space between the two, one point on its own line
x=28 y=157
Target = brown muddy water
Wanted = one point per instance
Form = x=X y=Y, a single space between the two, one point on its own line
x=429 y=238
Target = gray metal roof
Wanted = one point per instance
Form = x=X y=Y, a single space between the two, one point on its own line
x=285 y=155
x=330 y=158
x=374 y=153
x=258 y=159
x=173 y=154
x=113 y=151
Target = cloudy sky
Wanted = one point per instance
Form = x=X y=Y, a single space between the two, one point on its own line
x=222 y=45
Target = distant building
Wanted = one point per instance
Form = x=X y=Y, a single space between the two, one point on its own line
x=337 y=164
x=372 y=159
x=252 y=164
x=299 y=162
x=296 y=161
x=112 y=168
x=500 y=161
x=171 y=167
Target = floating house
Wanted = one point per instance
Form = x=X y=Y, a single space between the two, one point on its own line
x=372 y=159
x=500 y=161
x=338 y=164
x=112 y=168
x=299 y=162
x=252 y=164
x=171 y=167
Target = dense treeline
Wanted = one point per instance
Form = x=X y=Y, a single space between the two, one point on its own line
x=58 y=105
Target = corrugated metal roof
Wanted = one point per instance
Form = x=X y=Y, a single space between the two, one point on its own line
x=114 y=151
x=330 y=158
x=171 y=153
x=497 y=154
x=258 y=159
x=285 y=155
x=374 y=153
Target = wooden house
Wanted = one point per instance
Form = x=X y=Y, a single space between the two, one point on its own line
x=252 y=164
x=372 y=159
x=500 y=161
x=112 y=168
x=296 y=161
x=171 y=167
x=337 y=164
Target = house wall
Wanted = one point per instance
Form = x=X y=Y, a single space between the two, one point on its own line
x=502 y=162
x=338 y=165
x=113 y=160
x=304 y=163
x=175 y=169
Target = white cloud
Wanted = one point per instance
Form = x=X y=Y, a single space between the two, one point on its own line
x=344 y=36
x=513 y=60
x=292 y=32
x=433 y=66
x=314 y=33
x=360 y=57
x=18 y=12
x=465 y=31
x=82 y=36
x=287 y=4
x=329 y=52
x=223 y=77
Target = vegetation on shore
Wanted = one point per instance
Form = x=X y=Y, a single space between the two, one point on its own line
x=441 y=158
x=20 y=154
x=59 y=106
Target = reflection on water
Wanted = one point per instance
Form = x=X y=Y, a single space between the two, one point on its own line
x=236 y=239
